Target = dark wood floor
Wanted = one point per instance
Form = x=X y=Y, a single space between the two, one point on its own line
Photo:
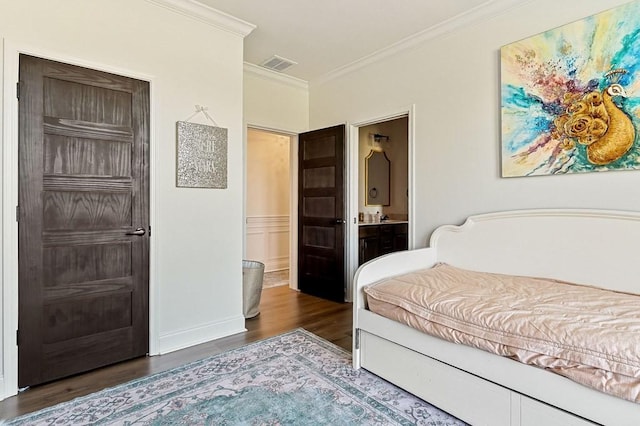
x=281 y=310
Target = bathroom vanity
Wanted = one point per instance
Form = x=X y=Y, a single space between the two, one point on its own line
x=376 y=239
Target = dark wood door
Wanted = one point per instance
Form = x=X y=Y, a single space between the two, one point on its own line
x=321 y=213
x=83 y=190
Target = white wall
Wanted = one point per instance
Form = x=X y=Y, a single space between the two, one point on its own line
x=267 y=173
x=196 y=249
x=454 y=83
x=275 y=101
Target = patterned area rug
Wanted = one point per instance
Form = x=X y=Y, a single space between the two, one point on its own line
x=296 y=378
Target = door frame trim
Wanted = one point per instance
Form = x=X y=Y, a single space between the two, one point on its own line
x=353 y=184
x=9 y=249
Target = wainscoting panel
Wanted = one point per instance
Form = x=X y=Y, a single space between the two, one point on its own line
x=268 y=241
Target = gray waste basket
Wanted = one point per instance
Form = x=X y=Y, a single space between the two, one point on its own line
x=252 y=276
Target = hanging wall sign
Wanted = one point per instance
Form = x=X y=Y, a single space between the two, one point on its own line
x=202 y=156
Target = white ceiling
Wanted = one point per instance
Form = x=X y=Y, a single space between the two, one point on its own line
x=323 y=36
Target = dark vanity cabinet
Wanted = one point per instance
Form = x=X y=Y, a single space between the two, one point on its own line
x=378 y=239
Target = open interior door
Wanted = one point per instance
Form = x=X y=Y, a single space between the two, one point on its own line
x=321 y=213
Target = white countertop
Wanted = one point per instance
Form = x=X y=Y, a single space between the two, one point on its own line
x=384 y=222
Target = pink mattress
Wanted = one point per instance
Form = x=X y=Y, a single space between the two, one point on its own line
x=587 y=334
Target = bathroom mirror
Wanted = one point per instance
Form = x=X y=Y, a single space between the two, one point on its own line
x=377 y=176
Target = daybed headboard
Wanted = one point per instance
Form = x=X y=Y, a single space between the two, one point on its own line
x=595 y=247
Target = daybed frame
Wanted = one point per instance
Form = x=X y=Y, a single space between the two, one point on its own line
x=591 y=247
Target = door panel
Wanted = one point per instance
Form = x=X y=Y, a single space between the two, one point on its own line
x=83 y=185
x=320 y=213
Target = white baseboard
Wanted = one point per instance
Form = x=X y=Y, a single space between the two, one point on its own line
x=3 y=391
x=174 y=341
x=276 y=264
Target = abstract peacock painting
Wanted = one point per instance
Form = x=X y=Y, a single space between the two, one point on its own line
x=571 y=97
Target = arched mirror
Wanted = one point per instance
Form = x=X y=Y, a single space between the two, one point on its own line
x=377 y=176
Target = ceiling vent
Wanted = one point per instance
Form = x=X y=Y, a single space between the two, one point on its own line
x=278 y=63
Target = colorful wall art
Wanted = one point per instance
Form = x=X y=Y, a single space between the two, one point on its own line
x=571 y=97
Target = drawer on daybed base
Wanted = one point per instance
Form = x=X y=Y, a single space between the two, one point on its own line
x=536 y=413
x=473 y=399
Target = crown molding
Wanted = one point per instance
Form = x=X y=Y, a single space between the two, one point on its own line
x=487 y=10
x=208 y=15
x=275 y=76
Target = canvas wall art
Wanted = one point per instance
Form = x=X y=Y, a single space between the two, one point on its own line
x=571 y=97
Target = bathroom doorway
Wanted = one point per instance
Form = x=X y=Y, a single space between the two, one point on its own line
x=383 y=194
x=380 y=201
x=268 y=203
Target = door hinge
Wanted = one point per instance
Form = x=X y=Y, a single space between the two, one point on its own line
x=357 y=342
x=18 y=90
x=17 y=213
x=17 y=337
x=149 y=231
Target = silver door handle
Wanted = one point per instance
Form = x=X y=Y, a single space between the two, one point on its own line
x=139 y=232
x=340 y=221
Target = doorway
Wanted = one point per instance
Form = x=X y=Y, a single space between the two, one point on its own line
x=392 y=136
x=83 y=219
x=386 y=194
x=314 y=232
x=268 y=205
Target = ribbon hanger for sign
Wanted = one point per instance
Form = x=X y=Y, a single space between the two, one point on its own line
x=202 y=109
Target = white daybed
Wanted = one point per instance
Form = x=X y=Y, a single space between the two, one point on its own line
x=600 y=248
